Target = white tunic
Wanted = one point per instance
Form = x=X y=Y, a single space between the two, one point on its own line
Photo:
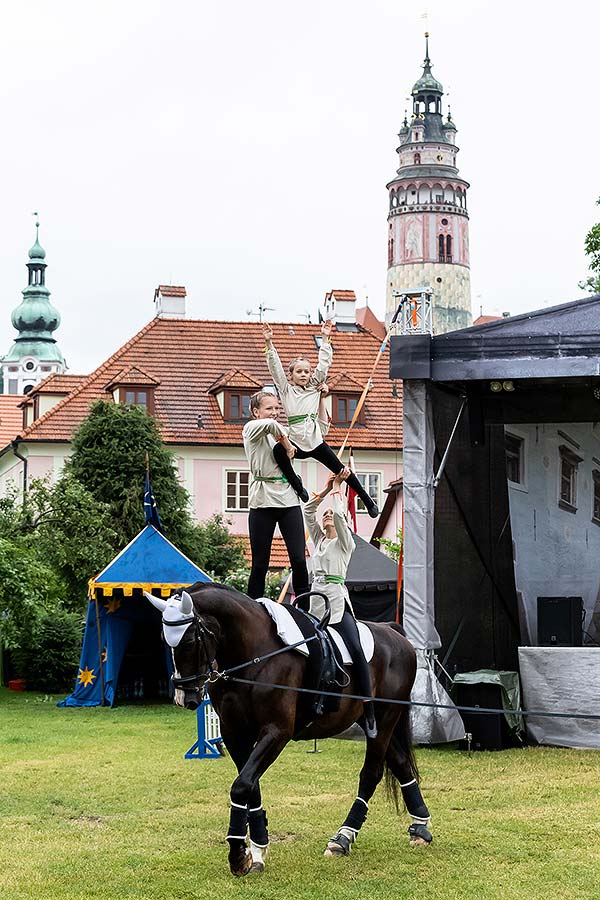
x=331 y=556
x=259 y=437
x=302 y=401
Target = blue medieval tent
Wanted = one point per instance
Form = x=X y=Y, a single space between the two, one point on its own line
x=121 y=643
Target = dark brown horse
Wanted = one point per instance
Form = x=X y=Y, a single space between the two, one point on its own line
x=213 y=628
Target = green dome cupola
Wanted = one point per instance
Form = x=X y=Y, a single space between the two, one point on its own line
x=35 y=353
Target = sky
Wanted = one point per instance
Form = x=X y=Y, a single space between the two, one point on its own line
x=242 y=150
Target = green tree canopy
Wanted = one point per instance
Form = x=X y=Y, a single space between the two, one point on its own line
x=592 y=249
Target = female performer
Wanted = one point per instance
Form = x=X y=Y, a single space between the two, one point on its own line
x=271 y=499
x=300 y=400
x=334 y=546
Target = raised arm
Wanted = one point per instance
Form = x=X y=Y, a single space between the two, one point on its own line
x=310 y=518
x=342 y=528
x=256 y=429
x=273 y=362
x=325 y=355
x=323 y=416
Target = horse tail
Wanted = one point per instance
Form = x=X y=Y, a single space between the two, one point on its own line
x=400 y=761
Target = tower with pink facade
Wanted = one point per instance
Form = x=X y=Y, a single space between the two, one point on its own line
x=428 y=223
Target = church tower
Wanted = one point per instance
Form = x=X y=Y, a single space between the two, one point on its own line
x=428 y=223
x=35 y=353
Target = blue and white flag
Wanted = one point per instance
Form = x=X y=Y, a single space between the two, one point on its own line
x=150 y=508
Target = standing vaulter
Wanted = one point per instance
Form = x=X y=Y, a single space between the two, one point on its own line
x=271 y=499
x=334 y=546
x=300 y=400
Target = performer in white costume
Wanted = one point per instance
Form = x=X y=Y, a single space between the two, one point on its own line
x=300 y=399
x=271 y=499
x=333 y=549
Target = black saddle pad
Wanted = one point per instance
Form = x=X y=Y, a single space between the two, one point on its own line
x=314 y=671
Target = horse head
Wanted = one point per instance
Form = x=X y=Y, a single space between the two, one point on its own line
x=192 y=644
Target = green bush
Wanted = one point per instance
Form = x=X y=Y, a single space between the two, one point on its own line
x=49 y=654
x=274 y=583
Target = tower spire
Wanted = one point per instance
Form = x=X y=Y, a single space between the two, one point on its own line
x=426 y=61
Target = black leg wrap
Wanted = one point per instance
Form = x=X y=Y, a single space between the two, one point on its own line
x=419 y=831
x=357 y=815
x=238 y=823
x=414 y=800
x=342 y=841
x=257 y=820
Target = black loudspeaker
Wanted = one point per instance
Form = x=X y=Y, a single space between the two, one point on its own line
x=489 y=731
x=560 y=621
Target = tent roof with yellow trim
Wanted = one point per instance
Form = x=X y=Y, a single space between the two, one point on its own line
x=149 y=561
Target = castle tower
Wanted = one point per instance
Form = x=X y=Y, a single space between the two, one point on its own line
x=428 y=224
x=35 y=353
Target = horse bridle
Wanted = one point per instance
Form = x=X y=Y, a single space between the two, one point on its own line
x=201 y=634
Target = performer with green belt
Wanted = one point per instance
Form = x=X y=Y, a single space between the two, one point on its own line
x=333 y=549
x=271 y=499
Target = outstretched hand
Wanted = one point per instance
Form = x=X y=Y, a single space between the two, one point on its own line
x=267 y=332
x=327 y=328
x=324 y=388
x=342 y=475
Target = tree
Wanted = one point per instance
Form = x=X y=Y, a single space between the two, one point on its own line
x=109 y=460
x=592 y=249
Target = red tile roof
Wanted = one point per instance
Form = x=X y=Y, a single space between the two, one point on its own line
x=345 y=382
x=367 y=319
x=235 y=378
x=341 y=295
x=483 y=320
x=170 y=290
x=188 y=356
x=56 y=384
x=279 y=555
x=11 y=417
x=131 y=375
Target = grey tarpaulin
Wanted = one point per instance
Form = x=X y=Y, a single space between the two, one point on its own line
x=509 y=689
x=429 y=725
x=562 y=679
x=419 y=614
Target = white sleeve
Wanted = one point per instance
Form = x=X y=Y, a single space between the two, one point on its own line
x=341 y=525
x=256 y=429
x=276 y=369
x=310 y=517
x=322 y=368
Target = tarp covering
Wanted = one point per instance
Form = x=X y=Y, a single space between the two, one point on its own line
x=510 y=691
x=432 y=725
x=562 y=679
x=123 y=629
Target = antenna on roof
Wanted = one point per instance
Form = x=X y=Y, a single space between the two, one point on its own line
x=261 y=309
x=306 y=315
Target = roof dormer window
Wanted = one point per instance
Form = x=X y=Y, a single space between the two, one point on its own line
x=134 y=387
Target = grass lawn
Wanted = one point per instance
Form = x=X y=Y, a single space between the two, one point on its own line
x=100 y=804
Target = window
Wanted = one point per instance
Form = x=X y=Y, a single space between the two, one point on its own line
x=237 y=406
x=596 y=496
x=441 y=249
x=237 y=490
x=448 y=248
x=371 y=482
x=343 y=407
x=567 y=496
x=137 y=397
x=417 y=159
x=514 y=458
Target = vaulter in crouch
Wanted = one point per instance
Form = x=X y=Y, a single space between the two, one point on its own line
x=271 y=499
x=300 y=399
x=333 y=548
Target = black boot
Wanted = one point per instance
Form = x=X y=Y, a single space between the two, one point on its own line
x=285 y=464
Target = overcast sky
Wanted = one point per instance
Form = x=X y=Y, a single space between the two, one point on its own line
x=242 y=149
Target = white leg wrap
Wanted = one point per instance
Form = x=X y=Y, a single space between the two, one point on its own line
x=259 y=854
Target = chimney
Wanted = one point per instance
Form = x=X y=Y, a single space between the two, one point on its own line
x=340 y=306
x=169 y=301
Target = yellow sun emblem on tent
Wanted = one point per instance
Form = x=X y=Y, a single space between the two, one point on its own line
x=86 y=676
x=112 y=605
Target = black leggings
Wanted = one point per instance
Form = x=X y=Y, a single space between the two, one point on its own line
x=324 y=454
x=349 y=631
x=261 y=527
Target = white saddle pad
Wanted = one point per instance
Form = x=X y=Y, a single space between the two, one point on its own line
x=289 y=632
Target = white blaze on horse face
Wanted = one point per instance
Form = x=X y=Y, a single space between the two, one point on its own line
x=172 y=616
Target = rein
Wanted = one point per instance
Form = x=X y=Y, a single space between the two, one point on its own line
x=212 y=674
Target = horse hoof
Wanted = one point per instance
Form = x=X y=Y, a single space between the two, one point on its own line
x=420 y=836
x=241 y=868
x=257 y=866
x=334 y=849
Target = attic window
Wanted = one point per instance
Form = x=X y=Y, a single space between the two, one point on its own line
x=137 y=396
x=343 y=408
x=237 y=406
x=318 y=339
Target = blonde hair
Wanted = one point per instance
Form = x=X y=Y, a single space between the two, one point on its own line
x=294 y=362
x=257 y=398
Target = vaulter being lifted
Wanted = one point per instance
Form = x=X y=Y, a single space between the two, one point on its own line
x=300 y=395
